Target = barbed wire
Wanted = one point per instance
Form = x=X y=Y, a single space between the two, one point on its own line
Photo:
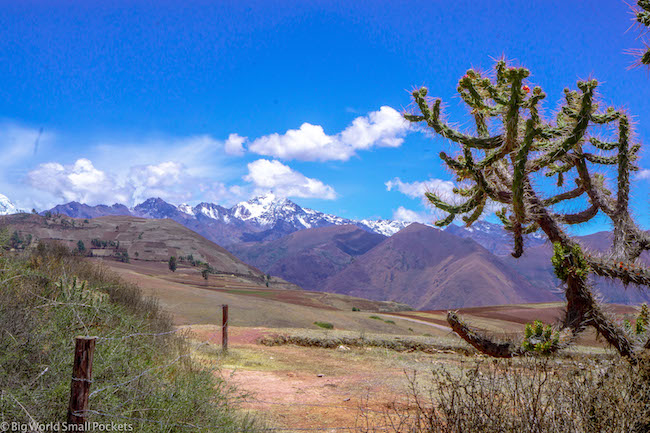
x=141 y=334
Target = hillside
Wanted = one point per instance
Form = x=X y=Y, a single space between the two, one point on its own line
x=428 y=268
x=127 y=236
x=308 y=257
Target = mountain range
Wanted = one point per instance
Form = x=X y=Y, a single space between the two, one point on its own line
x=260 y=219
x=416 y=264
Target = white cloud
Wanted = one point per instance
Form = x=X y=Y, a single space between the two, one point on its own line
x=408 y=215
x=80 y=182
x=234 y=145
x=383 y=128
x=273 y=175
x=220 y=193
x=168 y=180
x=442 y=188
x=643 y=174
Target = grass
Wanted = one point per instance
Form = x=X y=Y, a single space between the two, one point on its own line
x=143 y=372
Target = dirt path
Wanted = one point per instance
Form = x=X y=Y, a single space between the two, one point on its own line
x=301 y=387
x=423 y=322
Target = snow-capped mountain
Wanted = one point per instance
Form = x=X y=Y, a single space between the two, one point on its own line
x=6 y=206
x=262 y=218
x=383 y=227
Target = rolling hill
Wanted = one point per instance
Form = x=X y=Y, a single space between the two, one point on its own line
x=428 y=268
x=308 y=257
x=137 y=238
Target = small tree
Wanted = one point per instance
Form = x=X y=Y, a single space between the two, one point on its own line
x=172 y=264
x=507 y=166
x=81 y=247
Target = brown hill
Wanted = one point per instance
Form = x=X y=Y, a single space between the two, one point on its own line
x=535 y=266
x=428 y=269
x=141 y=238
x=308 y=257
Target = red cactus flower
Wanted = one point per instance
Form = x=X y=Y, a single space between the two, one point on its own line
x=526 y=89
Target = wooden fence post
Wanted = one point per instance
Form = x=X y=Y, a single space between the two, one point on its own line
x=224 y=328
x=81 y=379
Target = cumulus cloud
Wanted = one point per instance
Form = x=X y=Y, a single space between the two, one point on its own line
x=383 y=128
x=234 y=145
x=408 y=215
x=218 y=192
x=442 y=188
x=273 y=175
x=80 y=182
x=85 y=183
x=167 y=180
x=643 y=174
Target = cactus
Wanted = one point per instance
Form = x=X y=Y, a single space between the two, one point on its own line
x=504 y=168
x=642 y=17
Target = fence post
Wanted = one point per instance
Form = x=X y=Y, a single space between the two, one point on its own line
x=81 y=379
x=224 y=328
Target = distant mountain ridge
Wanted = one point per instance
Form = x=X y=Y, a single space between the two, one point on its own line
x=259 y=219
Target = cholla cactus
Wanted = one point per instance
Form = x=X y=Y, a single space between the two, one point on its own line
x=642 y=17
x=540 y=339
x=504 y=166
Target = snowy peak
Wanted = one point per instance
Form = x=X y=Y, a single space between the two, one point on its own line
x=384 y=227
x=6 y=206
x=265 y=210
x=212 y=211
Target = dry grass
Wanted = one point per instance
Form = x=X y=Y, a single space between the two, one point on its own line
x=526 y=395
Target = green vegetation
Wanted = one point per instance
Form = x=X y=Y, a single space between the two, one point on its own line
x=324 y=325
x=356 y=309
x=375 y=317
x=540 y=339
x=143 y=372
x=81 y=247
x=514 y=150
x=172 y=264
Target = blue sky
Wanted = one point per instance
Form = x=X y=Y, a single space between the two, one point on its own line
x=137 y=99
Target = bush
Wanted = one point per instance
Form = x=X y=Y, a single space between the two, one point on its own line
x=143 y=372
x=324 y=325
x=526 y=395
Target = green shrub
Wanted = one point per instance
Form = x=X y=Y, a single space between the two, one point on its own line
x=324 y=325
x=375 y=317
x=540 y=339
